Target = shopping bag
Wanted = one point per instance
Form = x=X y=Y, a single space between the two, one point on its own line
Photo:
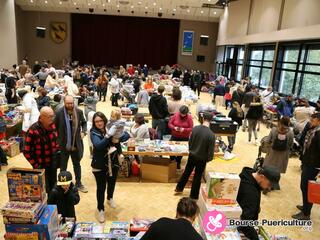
x=314 y=192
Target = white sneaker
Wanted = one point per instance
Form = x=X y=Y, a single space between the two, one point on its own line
x=112 y=203
x=101 y=216
x=256 y=142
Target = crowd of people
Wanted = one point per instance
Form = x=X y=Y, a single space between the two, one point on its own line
x=54 y=128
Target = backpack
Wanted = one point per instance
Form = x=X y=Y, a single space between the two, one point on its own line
x=280 y=144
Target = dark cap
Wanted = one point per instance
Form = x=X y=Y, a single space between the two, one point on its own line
x=272 y=174
x=64 y=178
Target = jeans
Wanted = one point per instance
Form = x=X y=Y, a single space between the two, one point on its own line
x=160 y=125
x=199 y=167
x=245 y=112
x=252 y=128
x=231 y=140
x=102 y=92
x=105 y=182
x=308 y=173
x=50 y=176
x=228 y=103
x=114 y=99
x=178 y=158
x=75 y=162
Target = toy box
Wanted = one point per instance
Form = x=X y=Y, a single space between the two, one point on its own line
x=26 y=184
x=21 y=236
x=47 y=226
x=222 y=186
x=11 y=148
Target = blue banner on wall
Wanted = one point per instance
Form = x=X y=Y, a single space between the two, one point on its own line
x=187 y=44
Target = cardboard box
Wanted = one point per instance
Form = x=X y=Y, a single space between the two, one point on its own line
x=47 y=227
x=158 y=169
x=11 y=148
x=230 y=211
x=26 y=184
x=222 y=186
x=215 y=201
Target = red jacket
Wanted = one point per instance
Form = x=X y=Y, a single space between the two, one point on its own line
x=185 y=123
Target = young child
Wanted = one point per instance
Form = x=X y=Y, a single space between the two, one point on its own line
x=65 y=195
x=116 y=130
x=90 y=103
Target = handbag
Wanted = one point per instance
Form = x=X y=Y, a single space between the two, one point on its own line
x=314 y=192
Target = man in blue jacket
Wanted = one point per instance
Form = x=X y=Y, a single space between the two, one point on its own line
x=285 y=107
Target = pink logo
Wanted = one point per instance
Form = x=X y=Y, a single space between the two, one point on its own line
x=214 y=222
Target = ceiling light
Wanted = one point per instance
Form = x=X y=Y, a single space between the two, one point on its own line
x=31 y=1
x=109 y=1
x=174 y=9
x=132 y=6
x=139 y=3
x=154 y=4
x=209 y=0
x=224 y=3
x=94 y=0
x=60 y=3
x=160 y=9
x=45 y=2
x=188 y=10
x=214 y=13
x=103 y=5
x=201 y=12
x=146 y=7
x=89 y=4
x=118 y=6
x=74 y=3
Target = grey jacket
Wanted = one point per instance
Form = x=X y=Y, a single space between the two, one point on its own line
x=278 y=159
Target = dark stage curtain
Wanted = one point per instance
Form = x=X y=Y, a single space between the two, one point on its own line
x=115 y=40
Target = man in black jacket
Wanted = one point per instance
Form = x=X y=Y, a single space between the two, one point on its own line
x=201 y=148
x=72 y=127
x=249 y=195
x=179 y=228
x=158 y=109
x=310 y=157
x=65 y=195
x=237 y=95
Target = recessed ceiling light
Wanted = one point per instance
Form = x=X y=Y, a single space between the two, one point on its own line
x=60 y=3
x=201 y=11
x=146 y=7
x=154 y=4
x=174 y=9
x=160 y=9
x=103 y=5
x=224 y=3
x=139 y=3
x=109 y=1
x=209 y=0
x=45 y=2
x=132 y=6
x=118 y=6
x=89 y=4
x=94 y=0
x=74 y=3
x=214 y=13
x=31 y=1
x=188 y=10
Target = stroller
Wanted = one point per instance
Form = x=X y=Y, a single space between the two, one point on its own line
x=127 y=92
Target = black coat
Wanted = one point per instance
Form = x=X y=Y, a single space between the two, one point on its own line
x=233 y=114
x=171 y=229
x=158 y=107
x=311 y=157
x=237 y=97
x=249 y=197
x=65 y=201
x=62 y=130
x=255 y=112
x=43 y=101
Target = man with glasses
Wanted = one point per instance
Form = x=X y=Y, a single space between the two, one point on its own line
x=41 y=146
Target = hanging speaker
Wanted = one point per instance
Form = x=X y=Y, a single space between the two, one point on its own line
x=40 y=32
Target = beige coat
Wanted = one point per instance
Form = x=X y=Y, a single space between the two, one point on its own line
x=278 y=159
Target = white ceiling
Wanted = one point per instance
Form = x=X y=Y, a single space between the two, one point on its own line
x=140 y=7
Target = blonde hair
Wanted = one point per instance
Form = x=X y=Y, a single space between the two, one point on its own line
x=115 y=114
x=236 y=105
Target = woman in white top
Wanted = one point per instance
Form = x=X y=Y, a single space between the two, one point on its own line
x=30 y=109
x=139 y=130
x=302 y=114
x=175 y=104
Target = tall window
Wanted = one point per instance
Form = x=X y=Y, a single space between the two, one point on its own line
x=240 y=58
x=298 y=70
x=260 y=65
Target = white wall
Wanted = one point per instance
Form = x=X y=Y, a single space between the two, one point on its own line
x=8 y=39
x=300 y=20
